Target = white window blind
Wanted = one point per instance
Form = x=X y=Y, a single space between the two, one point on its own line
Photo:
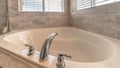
x=42 y=5
x=32 y=5
x=54 y=5
x=83 y=4
x=102 y=2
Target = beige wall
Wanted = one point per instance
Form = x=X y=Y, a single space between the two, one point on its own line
x=28 y=20
x=103 y=20
x=3 y=14
x=6 y=61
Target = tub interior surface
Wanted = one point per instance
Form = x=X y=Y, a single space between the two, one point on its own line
x=81 y=45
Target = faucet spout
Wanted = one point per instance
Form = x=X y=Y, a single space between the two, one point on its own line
x=46 y=47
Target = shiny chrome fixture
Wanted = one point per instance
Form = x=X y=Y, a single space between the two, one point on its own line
x=46 y=47
x=60 y=60
x=30 y=50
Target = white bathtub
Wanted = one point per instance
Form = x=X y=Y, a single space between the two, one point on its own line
x=83 y=46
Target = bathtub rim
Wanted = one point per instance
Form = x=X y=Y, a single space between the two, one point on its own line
x=1 y=38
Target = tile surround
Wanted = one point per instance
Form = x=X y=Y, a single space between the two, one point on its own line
x=3 y=14
x=103 y=19
x=100 y=19
x=28 y=20
x=7 y=61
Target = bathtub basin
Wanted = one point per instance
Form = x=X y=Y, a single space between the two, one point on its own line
x=81 y=45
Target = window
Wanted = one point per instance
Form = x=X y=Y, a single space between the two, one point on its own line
x=32 y=5
x=102 y=2
x=83 y=4
x=41 y=5
x=54 y=5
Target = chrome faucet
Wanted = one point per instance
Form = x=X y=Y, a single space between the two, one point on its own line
x=30 y=49
x=46 y=47
x=60 y=60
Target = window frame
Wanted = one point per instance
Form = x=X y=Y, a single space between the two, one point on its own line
x=43 y=4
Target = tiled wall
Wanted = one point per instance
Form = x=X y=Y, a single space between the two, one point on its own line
x=3 y=14
x=7 y=61
x=103 y=19
x=28 y=20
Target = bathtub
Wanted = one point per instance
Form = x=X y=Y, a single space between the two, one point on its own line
x=86 y=48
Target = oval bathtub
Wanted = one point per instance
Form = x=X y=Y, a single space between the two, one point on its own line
x=83 y=46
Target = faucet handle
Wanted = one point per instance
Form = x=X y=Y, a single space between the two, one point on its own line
x=30 y=49
x=60 y=60
x=66 y=55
